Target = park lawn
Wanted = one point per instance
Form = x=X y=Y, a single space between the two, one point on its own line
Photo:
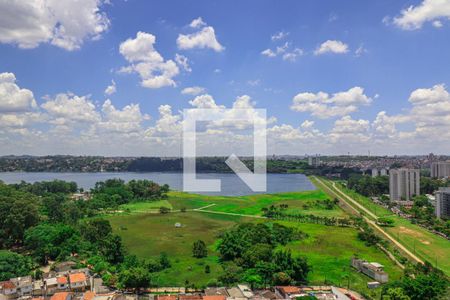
x=139 y=207
x=374 y=208
x=148 y=235
x=426 y=245
x=298 y=202
x=329 y=250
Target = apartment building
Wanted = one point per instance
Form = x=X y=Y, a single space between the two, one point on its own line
x=404 y=184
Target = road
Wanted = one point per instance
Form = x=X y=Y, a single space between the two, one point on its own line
x=342 y=196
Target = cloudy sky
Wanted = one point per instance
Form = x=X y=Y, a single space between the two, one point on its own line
x=112 y=77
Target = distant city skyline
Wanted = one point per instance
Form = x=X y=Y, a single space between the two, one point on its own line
x=334 y=77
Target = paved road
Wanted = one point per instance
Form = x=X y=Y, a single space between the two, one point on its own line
x=336 y=191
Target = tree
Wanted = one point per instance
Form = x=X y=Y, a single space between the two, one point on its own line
x=18 y=212
x=231 y=273
x=135 y=278
x=164 y=261
x=395 y=294
x=199 y=249
x=164 y=210
x=281 y=278
x=52 y=241
x=207 y=269
x=14 y=265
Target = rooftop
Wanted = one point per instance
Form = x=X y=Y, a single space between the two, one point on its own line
x=77 y=277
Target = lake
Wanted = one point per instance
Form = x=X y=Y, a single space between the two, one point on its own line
x=231 y=183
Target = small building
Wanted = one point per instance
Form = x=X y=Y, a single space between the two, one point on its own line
x=51 y=285
x=38 y=288
x=286 y=292
x=24 y=285
x=61 y=296
x=373 y=270
x=63 y=283
x=64 y=266
x=245 y=289
x=7 y=288
x=235 y=293
x=216 y=291
x=215 y=297
x=78 y=281
x=373 y=284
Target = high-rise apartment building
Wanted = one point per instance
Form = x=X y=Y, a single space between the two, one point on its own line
x=403 y=184
x=440 y=169
x=443 y=203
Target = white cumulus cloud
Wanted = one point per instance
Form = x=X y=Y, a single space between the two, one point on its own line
x=323 y=105
x=65 y=24
x=154 y=71
x=414 y=17
x=111 y=89
x=12 y=97
x=331 y=46
x=205 y=37
x=193 y=90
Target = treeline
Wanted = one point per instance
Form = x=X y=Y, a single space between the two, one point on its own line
x=248 y=254
x=155 y=164
x=280 y=213
x=376 y=186
x=41 y=222
x=369 y=186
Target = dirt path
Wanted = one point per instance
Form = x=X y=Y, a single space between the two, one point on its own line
x=336 y=191
x=229 y=214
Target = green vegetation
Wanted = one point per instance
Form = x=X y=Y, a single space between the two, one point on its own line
x=251 y=247
x=369 y=186
x=428 y=246
x=138 y=234
x=14 y=265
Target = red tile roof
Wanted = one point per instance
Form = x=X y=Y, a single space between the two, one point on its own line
x=166 y=297
x=88 y=295
x=7 y=285
x=77 y=277
x=62 y=280
x=289 y=289
x=215 y=297
x=60 y=296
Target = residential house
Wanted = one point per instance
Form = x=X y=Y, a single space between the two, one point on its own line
x=215 y=297
x=24 y=285
x=78 y=281
x=235 y=293
x=38 y=288
x=215 y=291
x=189 y=297
x=8 y=288
x=245 y=289
x=64 y=266
x=61 y=296
x=51 y=285
x=286 y=292
x=63 y=283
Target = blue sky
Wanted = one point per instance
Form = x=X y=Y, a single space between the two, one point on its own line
x=386 y=50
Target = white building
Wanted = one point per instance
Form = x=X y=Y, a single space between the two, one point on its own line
x=440 y=169
x=404 y=184
x=443 y=203
x=314 y=161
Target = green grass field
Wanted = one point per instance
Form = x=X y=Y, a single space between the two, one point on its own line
x=139 y=207
x=328 y=249
x=426 y=245
x=300 y=202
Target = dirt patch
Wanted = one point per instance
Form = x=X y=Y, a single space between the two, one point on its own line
x=413 y=233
